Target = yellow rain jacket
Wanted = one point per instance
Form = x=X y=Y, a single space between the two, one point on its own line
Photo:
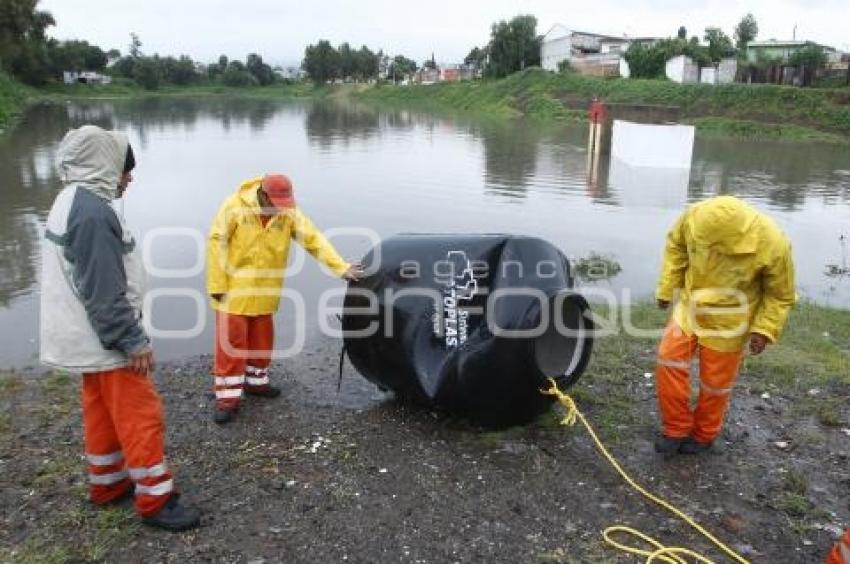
x=246 y=260
x=734 y=269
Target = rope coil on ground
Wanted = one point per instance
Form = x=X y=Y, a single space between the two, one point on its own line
x=661 y=553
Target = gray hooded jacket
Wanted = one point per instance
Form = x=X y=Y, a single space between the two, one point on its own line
x=92 y=277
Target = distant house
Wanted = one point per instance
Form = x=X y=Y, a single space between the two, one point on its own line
x=85 y=77
x=450 y=73
x=426 y=76
x=770 y=62
x=290 y=73
x=782 y=50
x=587 y=53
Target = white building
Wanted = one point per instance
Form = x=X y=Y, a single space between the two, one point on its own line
x=727 y=70
x=85 y=77
x=708 y=75
x=589 y=53
x=682 y=69
x=290 y=73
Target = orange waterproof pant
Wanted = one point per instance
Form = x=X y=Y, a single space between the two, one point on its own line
x=841 y=551
x=717 y=373
x=243 y=345
x=124 y=436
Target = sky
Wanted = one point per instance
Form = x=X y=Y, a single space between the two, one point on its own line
x=280 y=30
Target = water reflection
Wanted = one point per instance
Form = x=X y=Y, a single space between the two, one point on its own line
x=510 y=158
x=29 y=183
x=665 y=188
x=783 y=174
x=329 y=125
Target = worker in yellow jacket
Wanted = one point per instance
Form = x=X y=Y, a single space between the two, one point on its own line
x=731 y=270
x=247 y=253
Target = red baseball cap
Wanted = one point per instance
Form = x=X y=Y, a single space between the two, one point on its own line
x=278 y=188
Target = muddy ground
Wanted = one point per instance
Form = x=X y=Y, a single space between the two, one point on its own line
x=317 y=476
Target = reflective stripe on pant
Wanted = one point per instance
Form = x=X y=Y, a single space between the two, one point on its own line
x=243 y=345
x=841 y=551
x=717 y=373
x=124 y=436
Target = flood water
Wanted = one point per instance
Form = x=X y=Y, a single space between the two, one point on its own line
x=393 y=172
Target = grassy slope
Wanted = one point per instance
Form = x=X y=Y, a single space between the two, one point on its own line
x=750 y=110
x=126 y=89
x=13 y=98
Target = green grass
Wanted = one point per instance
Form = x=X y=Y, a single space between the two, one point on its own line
x=724 y=127
x=76 y=534
x=55 y=471
x=796 y=483
x=55 y=382
x=10 y=383
x=127 y=89
x=13 y=99
x=812 y=354
x=790 y=112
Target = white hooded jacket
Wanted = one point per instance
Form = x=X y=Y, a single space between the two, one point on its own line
x=92 y=276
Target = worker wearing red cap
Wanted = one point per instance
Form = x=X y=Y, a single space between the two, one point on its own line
x=247 y=252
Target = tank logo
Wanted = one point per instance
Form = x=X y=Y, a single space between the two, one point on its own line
x=460 y=285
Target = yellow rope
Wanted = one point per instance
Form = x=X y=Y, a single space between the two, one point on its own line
x=661 y=553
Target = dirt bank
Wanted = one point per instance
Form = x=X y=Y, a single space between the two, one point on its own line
x=321 y=477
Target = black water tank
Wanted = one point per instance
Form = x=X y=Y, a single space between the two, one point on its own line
x=473 y=324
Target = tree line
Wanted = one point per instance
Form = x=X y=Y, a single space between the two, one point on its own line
x=28 y=54
x=152 y=71
x=514 y=45
x=324 y=63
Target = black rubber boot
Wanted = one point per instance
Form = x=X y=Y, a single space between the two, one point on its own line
x=267 y=391
x=693 y=446
x=222 y=416
x=668 y=446
x=174 y=517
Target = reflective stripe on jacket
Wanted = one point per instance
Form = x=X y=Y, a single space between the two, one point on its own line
x=734 y=268
x=246 y=260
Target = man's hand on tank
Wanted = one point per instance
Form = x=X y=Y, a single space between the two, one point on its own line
x=355 y=272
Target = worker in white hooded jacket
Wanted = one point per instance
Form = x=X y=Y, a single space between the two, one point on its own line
x=91 y=295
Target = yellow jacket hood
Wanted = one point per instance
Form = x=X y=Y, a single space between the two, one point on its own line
x=732 y=269
x=726 y=222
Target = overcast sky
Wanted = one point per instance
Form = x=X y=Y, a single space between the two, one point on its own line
x=279 y=30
